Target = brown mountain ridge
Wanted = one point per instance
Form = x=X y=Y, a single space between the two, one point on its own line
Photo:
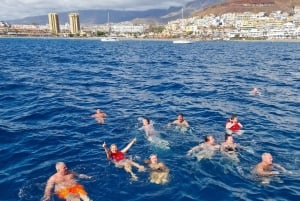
x=255 y=6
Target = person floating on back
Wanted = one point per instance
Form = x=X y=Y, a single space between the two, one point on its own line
x=153 y=135
x=120 y=160
x=65 y=185
x=233 y=126
x=148 y=127
x=99 y=116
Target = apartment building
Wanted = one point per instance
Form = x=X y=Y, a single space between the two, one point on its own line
x=53 y=23
x=74 y=23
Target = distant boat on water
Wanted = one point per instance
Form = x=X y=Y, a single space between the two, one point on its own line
x=109 y=38
x=182 y=40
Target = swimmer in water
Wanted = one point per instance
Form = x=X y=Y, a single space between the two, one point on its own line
x=120 y=160
x=65 y=185
x=255 y=91
x=99 y=116
x=180 y=121
x=233 y=125
x=205 y=149
x=159 y=171
x=266 y=166
x=153 y=135
x=229 y=147
x=148 y=127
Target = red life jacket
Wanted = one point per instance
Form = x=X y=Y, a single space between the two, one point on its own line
x=118 y=156
x=234 y=127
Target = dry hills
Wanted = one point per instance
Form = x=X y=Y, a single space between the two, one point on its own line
x=255 y=6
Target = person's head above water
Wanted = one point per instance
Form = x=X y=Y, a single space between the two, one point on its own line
x=209 y=139
x=146 y=121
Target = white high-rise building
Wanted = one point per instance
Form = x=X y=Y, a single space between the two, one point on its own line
x=74 y=23
x=53 y=23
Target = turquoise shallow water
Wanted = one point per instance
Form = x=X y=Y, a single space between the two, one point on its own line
x=50 y=88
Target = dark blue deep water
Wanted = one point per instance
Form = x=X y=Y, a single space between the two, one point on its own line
x=49 y=88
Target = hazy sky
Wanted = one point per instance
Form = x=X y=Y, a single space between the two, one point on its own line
x=15 y=9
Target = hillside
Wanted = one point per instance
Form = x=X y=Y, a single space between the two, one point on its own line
x=152 y=16
x=239 y=6
x=162 y=16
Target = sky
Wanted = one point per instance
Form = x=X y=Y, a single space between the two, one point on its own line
x=17 y=9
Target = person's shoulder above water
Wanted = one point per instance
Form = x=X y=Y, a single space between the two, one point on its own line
x=180 y=121
x=266 y=167
x=229 y=144
x=148 y=127
x=233 y=125
x=65 y=184
x=159 y=173
x=208 y=144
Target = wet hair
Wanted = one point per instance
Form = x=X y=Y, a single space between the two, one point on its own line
x=112 y=145
x=180 y=114
x=206 y=138
x=59 y=164
x=227 y=136
x=147 y=120
x=265 y=155
x=233 y=116
x=152 y=155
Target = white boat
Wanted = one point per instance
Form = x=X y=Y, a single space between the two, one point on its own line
x=109 y=38
x=182 y=40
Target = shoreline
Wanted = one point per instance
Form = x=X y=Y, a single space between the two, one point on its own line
x=144 y=39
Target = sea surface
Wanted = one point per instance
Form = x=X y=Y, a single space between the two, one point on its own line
x=49 y=88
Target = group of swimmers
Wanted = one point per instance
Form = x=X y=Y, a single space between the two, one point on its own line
x=66 y=187
x=64 y=183
x=207 y=148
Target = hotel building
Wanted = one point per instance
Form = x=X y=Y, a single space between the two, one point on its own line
x=53 y=23
x=74 y=23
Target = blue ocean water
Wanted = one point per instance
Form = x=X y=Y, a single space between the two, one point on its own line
x=49 y=89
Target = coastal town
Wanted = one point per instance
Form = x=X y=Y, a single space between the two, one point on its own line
x=228 y=26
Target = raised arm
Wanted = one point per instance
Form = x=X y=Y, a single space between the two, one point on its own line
x=107 y=151
x=129 y=145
